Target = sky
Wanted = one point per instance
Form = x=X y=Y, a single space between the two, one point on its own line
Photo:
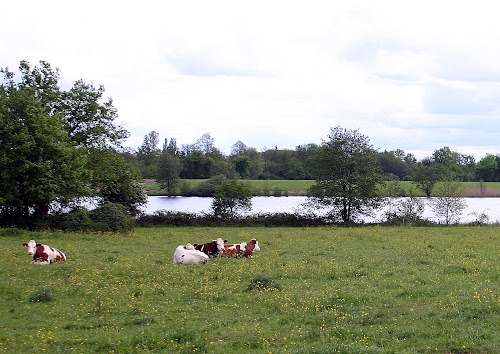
x=409 y=75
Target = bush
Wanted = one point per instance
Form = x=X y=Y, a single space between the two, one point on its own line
x=208 y=188
x=43 y=295
x=75 y=220
x=263 y=282
x=111 y=217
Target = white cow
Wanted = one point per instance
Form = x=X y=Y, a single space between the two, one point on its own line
x=43 y=254
x=188 y=255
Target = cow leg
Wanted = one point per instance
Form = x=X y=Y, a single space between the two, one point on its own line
x=40 y=262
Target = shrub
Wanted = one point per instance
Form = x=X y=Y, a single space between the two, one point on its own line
x=263 y=282
x=75 y=220
x=208 y=188
x=185 y=188
x=43 y=295
x=111 y=217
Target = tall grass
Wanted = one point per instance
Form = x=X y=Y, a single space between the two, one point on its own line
x=370 y=289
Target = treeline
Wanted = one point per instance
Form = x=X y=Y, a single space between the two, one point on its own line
x=203 y=160
x=60 y=147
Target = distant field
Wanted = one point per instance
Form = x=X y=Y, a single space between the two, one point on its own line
x=325 y=290
x=293 y=187
x=300 y=187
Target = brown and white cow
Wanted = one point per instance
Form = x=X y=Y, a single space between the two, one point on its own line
x=213 y=248
x=43 y=254
x=244 y=249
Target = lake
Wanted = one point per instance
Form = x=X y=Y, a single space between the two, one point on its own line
x=488 y=206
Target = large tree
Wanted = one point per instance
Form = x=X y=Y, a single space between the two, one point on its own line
x=346 y=176
x=38 y=162
x=88 y=118
x=46 y=136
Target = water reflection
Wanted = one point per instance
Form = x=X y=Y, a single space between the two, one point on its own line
x=475 y=207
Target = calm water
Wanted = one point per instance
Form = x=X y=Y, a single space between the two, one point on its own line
x=488 y=206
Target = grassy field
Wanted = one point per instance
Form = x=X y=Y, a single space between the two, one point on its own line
x=351 y=290
x=300 y=187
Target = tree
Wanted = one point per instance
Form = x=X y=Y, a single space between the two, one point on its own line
x=49 y=136
x=238 y=148
x=410 y=209
x=242 y=165
x=90 y=121
x=115 y=180
x=205 y=144
x=487 y=169
x=426 y=175
x=38 y=162
x=346 y=176
x=454 y=164
x=168 y=170
x=148 y=154
x=231 y=198
x=196 y=165
x=449 y=202
x=86 y=117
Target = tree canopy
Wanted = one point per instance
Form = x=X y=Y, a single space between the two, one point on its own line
x=38 y=162
x=346 y=175
x=49 y=139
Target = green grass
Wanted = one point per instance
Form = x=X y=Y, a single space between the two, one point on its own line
x=351 y=290
x=300 y=187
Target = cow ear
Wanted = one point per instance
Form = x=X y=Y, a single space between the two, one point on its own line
x=25 y=244
x=225 y=241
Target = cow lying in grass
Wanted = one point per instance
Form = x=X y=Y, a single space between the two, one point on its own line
x=244 y=249
x=213 y=248
x=188 y=255
x=43 y=254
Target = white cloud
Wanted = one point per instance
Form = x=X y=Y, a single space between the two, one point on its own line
x=413 y=76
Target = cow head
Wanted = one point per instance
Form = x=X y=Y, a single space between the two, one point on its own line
x=257 y=247
x=31 y=246
x=220 y=244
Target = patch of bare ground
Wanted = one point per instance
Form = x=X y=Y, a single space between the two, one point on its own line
x=478 y=192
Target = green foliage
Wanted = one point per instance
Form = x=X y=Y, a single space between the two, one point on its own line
x=48 y=133
x=449 y=202
x=242 y=165
x=38 y=163
x=487 y=169
x=168 y=171
x=115 y=180
x=346 y=176
x=75 y=220
x=209 y=187
x=231 y=198
x=426 y=176
x=111 y=217
x=347 y=290
x=264 y=282
x=43 y=295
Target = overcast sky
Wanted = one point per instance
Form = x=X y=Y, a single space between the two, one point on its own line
x=410 y=75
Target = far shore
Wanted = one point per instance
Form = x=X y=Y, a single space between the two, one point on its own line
x=299 y=188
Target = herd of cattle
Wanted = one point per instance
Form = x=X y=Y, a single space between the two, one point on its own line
x=199 y=254
x=184 y=254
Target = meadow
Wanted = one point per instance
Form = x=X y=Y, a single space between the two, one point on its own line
x=300 y=187
x=322 y=290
